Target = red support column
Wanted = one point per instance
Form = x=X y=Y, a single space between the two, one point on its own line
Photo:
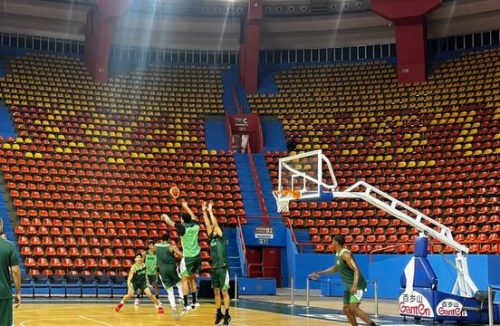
x=101 y=22
x=408 y=17
x=250 y=46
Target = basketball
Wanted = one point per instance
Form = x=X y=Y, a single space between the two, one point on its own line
x=174 y=191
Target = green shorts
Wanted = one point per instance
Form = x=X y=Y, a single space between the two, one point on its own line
x=220 y=278
x=152 y=279
x=353 y=298
x=190 y=265
x=6 y=312
x=169 y=276
x=139 y=286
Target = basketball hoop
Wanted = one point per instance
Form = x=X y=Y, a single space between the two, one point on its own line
x=283 y=199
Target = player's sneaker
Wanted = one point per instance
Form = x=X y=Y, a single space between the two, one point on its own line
x=227 y=320
x=118 y=307
x=160 y=310
x=218 y=318
x=195 y=306
x=175 y=313
x=136 y=302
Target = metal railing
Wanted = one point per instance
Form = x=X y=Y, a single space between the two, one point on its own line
x=375 y=292
x=236 y=100
x=491 y=317
x=258 y=188
x=300 y=245
x=243 y=260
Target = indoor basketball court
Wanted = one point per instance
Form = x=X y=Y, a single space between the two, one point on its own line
x=250 y=162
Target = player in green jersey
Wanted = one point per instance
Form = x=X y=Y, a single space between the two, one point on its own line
x=353 y=279
x=137 y=280
x=8 y=263
x=152 y=267
x=191 y=261
x=167 y=266
x=220 y=272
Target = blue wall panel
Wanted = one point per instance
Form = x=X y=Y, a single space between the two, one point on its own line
x=387 y=270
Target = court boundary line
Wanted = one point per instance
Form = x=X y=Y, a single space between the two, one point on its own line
x=94 y=320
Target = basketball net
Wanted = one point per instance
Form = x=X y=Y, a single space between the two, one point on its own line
x=283 y=199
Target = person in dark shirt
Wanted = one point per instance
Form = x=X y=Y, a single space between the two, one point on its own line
x=291 y=145
x=353 y=279
x=8 y=263
x=220 y=272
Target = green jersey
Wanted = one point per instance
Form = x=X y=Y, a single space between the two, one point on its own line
x=218 y=251
x=140 y=274
x=164 y=255
x=347 y=274
x=150 y=263
x=8 y=259
x=190 y=245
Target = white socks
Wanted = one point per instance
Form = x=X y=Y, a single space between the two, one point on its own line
x=171 y=297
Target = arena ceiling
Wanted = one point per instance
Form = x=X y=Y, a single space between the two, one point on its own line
x=216 y=24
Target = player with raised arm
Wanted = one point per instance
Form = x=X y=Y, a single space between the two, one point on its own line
x=220 y=272
x=191 y=261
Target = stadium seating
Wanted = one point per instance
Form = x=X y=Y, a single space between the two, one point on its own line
x=90 y=171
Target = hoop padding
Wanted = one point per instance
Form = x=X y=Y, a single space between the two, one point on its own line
x=283 y=199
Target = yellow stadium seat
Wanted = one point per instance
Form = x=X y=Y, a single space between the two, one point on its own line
x=487 y=151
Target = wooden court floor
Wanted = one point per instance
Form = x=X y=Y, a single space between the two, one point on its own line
x=87 y=314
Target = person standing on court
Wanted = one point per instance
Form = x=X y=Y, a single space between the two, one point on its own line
x=152 y=267
x=167 y=266
x=191 y=261
x=354 y=281
x=220 y=272
x=8 y=263
x=137 y=280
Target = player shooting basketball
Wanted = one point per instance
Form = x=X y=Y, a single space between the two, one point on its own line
x=191 y=262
